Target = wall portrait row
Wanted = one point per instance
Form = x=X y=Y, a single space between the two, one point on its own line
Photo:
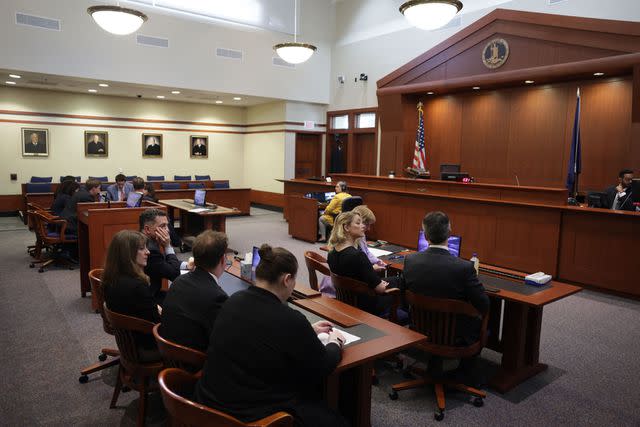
x=35 y=143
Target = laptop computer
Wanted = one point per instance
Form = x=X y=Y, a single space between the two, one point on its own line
x=329 y=195
x=134 y=199
x=454 y=243
x=255 y=258
x=199 y=198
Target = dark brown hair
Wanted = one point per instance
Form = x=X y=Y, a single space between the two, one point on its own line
x=436 y=227
x=91 y=184
x=138 y=183
x=209 y=248
x=274 y=262
x=121 y=257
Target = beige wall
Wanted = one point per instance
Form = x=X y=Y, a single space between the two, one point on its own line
x=66 y=156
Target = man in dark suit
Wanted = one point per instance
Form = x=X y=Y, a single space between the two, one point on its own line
x=162 y=262
x=194 y=299
x=89 y=193
x=199 y=148
x=437 y=273
x=34 y=145
x=619 y=196
x=152 y=146
x=95 y=146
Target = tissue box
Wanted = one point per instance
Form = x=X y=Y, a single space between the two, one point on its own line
x=245 y=269
x=537 y=279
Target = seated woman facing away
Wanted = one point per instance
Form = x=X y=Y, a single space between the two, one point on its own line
x=63 y=194
x=265 y=357
x=126 y=287
x=332 y=210
x=346 y=259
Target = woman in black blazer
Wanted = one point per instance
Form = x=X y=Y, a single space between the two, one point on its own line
x=346 y=259
x=127 y=287
x=264 y=356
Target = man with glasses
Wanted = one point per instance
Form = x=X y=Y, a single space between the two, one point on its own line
x=195 y=298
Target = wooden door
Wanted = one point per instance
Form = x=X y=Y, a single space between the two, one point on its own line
x=308 y=155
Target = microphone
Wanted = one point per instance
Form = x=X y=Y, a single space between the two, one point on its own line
x=517 y=180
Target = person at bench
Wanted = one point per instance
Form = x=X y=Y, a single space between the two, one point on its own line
x=89 y=193
x=63 y=195
x=619 y=196
x=333 y=209
x=437 y=273
x=266 y=357
x=139 y=186
x=163 y=262
x=126 y=286
x=119 y=191
x=195 y=298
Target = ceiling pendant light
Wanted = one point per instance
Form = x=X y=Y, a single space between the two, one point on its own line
x=430 y=14
x=117 y=20
x=294 y=52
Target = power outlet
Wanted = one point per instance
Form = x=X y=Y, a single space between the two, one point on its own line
x=14 y=176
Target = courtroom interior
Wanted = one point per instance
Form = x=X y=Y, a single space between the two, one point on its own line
x=445 y=193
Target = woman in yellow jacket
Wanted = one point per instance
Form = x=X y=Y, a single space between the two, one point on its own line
x=333 y=209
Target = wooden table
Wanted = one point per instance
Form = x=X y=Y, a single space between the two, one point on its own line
x=353 y=400
x=213 y=219
x=521 y=325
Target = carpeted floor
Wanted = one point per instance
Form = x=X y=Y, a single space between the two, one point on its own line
x=48 y=333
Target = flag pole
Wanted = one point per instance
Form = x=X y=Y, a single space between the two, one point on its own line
x=575 y=157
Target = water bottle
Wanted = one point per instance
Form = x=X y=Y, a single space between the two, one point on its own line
x=476 y=262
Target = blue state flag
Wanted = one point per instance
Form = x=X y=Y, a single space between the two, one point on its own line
x=575 y=163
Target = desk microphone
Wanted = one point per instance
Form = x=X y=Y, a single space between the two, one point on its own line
x=517 y=180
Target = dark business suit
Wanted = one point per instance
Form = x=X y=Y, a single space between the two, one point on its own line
x=190 y=309
x=95 y=148
x=152 y=150
x=437 y=273
x=69 y=212
x=625 y=202
x=131 y=296
x=160 y=266
x=59 y=203
x=38 y=148
x=265 y=357
x=199 y=150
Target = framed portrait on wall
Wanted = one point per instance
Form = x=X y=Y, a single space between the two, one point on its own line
x=152 y=145
x=96 y=143
x=35 y=142
x=199 y=146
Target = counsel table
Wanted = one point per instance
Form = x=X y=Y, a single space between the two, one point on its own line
x=521 y=324
x=380 y=339
x=214 y=219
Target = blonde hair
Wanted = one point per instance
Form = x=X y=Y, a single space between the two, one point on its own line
x=367 y=214
x=338 y=234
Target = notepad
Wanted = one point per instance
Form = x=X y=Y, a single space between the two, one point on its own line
x=378 y=252
x=196 y=210
x=324 y=337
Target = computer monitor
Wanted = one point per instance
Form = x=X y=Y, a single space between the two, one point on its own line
x=133 y=199
x=597 y=200
x=449 y=168
x=255 y=258
x=199 y=198
x=454 y=243
x=329 y=195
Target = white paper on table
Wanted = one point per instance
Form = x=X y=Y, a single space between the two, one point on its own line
x=349 y=338
x=378 y=252
x=196 y=210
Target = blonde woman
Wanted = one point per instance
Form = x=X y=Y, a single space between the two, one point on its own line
x=368 y=219
x=345 y=259
x=332 y=210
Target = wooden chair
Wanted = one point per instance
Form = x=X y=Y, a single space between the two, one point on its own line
x=175 y=384
x=97 y=289
x=316 y=263
x=133 y=372
x=179 y=356
x=51 y=235
x=350 y=291
x=34 y=250
x=436 y=318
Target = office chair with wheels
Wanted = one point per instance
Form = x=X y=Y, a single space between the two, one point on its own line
x=133 y=372
x=175 y=384
x=351 y=291
x=351 y=202
x=97 y=289
x=52 y=238
x=179 y=356
x=436 y=318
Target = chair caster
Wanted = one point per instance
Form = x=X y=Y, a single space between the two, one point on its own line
x=438 y=415
x=83 y=379
x=32 y=265
x=393 y=395
x=478 y=402
x=102 y=357
x=41 y=270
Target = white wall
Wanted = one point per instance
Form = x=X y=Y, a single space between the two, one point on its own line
x=66 y=137
x=371 y=39
x=82 y=49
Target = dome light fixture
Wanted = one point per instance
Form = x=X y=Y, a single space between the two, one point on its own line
x=117 y=20
x=295 y=52
x=430 y=14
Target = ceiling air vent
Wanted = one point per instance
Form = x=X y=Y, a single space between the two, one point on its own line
x=37 y=21
x=41 y=83
x=553 y=2
x=222 y=52
x=152 y=41
x=277 y=61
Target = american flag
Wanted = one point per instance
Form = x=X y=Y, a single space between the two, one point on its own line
x=420 y=154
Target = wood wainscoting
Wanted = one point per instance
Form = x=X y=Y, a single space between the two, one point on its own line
x=10 y=203
x=268 y=198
